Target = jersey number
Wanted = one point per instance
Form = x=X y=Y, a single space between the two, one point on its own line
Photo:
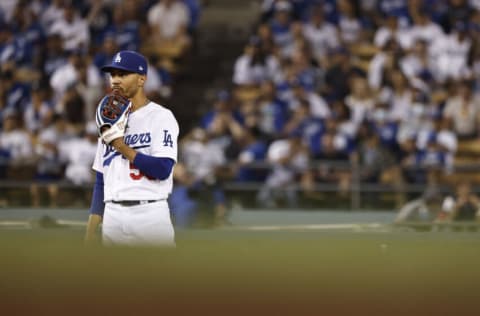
x=136 y=174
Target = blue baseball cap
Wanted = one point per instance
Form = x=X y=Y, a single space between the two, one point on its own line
x=127 y=60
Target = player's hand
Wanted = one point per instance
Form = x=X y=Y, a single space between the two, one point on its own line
x=91 y=236
x=112 y=116
x=116 y=131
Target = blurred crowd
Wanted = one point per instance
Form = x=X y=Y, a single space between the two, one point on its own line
x=51 y=52
x=389 y=86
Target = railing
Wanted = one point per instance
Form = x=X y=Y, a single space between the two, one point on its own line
x=356 y=190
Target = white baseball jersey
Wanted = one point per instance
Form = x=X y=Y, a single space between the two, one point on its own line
x=151 y=130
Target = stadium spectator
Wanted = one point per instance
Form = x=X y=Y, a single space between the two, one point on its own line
x=289 y=159
x=475 y=66
x=462 y=109
x=349 y=25
x=342 y=115
x=159 y=82
x=204 y=159
x=14 y=95
x=194 y=13
x=383 y=126
x=273 y=112
x=384 y=61
x=339 y=74
x=391 y=29
x=99 y=16
x=318 y=106
x=458 y=10
x=423 y=28
x=374 y=158
x=451 y=52
x=322 y=35
x=15 y=145
x=378 y=152
x=52 y=13
x=299 y=8
x=78 y=74
x=443 y=135
x=425 y=209
x=106 y=51
x=332 y=145
x=183 y=205
x=254 y=66
x=282 y=27
x=77 y=154
x=267 y=43
x=29 y=34
x=304 y=68
x=11 y=49
x=49 y=168
x=398 y=94
x=303 y=123
x=395 y=8
x=73 y=108
x=72 y=28
x=360 y=101
x=253 y=149
x=463 y=206
x=216 y=121
x=169 y=21
x=249 y=117
x=430 y=156
x=418 y=65
x=53 y=55
x=125 y=29
x=415 y=120
x=39 y=110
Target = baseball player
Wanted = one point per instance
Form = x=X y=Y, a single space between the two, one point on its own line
x=134 y=161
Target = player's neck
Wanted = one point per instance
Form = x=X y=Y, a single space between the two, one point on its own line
x=139 y=102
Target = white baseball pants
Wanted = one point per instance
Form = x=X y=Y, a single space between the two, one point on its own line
x=140 y=225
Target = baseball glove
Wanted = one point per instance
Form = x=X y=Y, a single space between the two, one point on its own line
x=112 y=115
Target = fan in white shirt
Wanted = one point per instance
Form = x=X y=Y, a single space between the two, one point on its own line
x=168 y=18
x=425 y=29
x=322 y=36
x=78 y=153
x=391 y=30
x=14 y=141
x=78 y=71
x=72 y=28
x=37 y=112
x=418 y=63
x=254 y=66
x=450 y=54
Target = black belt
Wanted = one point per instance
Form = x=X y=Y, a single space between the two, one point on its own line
x=135 y=202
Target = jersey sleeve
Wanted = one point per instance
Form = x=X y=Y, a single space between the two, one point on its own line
x=165 y=132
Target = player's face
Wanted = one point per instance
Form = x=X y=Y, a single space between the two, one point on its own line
x=126 y=83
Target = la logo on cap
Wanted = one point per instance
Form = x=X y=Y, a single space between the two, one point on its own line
x=118 y=58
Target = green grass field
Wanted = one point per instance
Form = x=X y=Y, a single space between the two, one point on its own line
x=234 y=271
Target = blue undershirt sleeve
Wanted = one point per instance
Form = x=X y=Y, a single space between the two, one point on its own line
x=156 y=167
x=98 y=206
